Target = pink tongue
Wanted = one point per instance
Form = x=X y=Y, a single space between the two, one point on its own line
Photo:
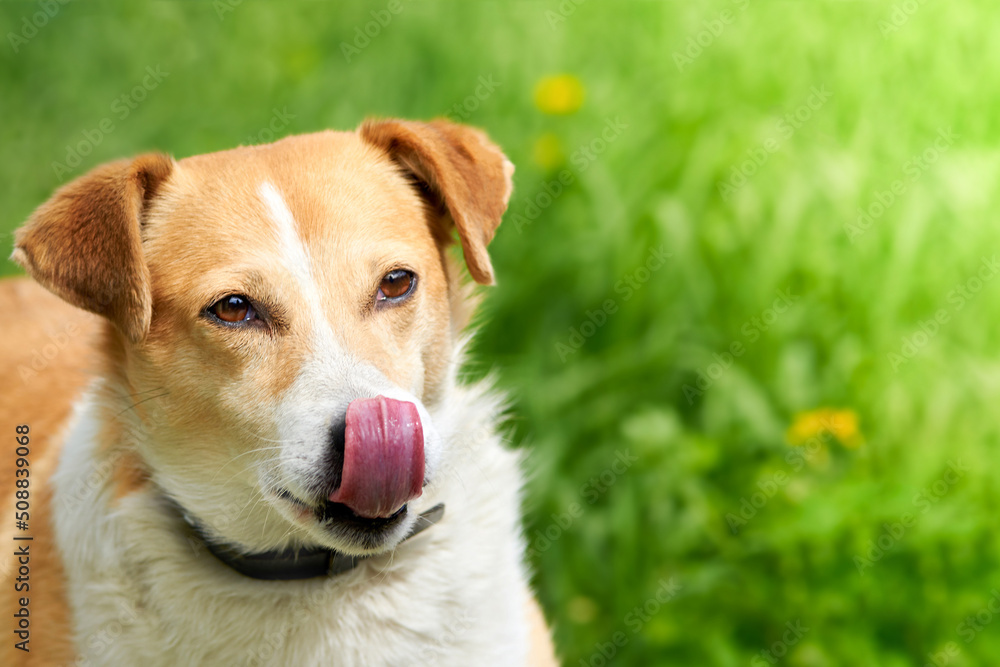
x=383 y=457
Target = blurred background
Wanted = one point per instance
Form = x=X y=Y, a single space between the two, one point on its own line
x=746 y=305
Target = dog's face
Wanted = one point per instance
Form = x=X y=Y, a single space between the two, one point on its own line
x=285 y=319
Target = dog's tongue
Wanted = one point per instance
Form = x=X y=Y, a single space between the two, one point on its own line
x=383 y=457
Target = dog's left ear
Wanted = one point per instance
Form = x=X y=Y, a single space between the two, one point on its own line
x=462 y=169
x=85 y=243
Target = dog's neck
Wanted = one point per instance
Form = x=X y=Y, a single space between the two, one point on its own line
x=295 y=563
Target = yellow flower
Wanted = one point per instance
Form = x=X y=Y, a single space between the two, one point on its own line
x=841 y=424
x=548 y=151
x=559 y=95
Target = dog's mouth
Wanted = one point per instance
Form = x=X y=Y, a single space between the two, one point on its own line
x=338 y=516
x=344 y=516
x=363 y=492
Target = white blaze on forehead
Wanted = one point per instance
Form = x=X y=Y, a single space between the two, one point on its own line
x=296 y=257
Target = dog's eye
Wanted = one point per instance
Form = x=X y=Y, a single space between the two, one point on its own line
x=233 y=309
x=396 y=285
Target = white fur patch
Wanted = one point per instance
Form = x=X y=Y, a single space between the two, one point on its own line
x=293 y=251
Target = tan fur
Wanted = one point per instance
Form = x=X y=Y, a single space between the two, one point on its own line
x=40 y=396
x=150 y=243
x=542 y=653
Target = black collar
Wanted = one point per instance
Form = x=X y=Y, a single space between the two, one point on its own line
x=291 y=564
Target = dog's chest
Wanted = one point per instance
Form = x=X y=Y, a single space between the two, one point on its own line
x=314 y=630
x=430 y=613
x=143 y=595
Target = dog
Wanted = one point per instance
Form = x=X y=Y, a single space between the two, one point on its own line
x=239 y=436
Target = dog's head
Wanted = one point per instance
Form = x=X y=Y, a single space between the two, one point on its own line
x=284 y=318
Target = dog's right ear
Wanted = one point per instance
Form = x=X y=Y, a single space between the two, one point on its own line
x=85 y=243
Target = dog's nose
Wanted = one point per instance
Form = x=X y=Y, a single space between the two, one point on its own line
x=334 y=459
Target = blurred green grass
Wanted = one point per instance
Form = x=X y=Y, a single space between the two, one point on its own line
x=699 y=456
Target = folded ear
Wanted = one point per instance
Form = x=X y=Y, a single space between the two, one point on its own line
x=462 y=169
x=85 y=246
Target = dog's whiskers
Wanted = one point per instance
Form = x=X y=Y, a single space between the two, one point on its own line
x=263 y=528
x=262 y=495
x=247 y=453
x=280 y=442
x=149 y=398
